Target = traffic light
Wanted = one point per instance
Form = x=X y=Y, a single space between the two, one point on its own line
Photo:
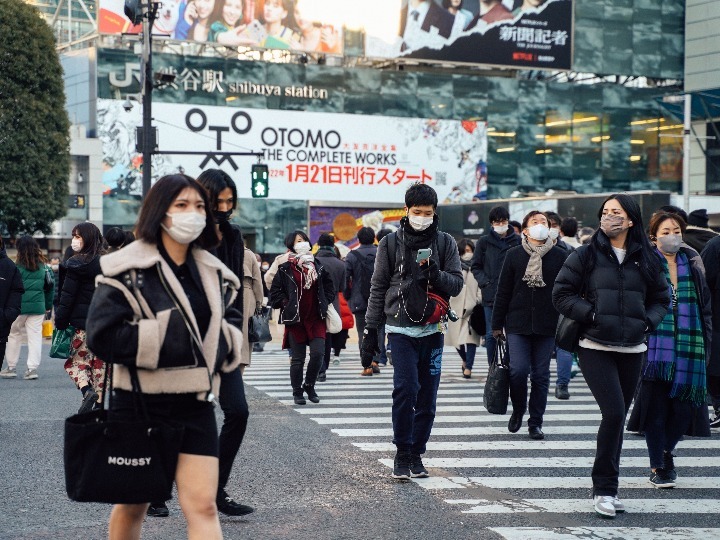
x=260 y=186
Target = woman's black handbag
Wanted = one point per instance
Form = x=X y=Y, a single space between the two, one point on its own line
x=567 y=335
x=120 y=462
x=497 y=385
x=259 y=326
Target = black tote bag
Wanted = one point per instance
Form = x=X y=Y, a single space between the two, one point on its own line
x=259 y=326
x=497 y=385
x=120 y=462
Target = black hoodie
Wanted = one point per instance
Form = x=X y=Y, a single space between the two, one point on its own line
x=77 y=286
x=11 y=291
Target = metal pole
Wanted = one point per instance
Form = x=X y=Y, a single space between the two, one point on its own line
x=147 y=141
x=687 y=121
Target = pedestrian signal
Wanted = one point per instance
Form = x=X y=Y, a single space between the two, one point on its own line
x=259 y=186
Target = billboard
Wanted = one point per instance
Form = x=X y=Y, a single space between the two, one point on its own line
x=272 y=24
x=522 y=33
x=311 y=156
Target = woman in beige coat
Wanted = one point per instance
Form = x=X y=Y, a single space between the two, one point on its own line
x=252 y=298
x=460 y=335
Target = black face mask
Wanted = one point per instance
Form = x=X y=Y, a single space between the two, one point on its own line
x=222 y=217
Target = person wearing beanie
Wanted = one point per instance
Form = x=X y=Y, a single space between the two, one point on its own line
x=697 y=234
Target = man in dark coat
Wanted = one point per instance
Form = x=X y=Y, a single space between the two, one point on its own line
x=697 y=234
x=711 y=259
x=11 y=291
x=487 y=262
x=327 y=257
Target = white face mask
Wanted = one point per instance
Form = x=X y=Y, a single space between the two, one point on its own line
x=501 y=229
x=420 y=223
x=554 y=233
x=76 y=244
x=301 y=248
x=466 y=256
x=185 y=226
x=539 y=232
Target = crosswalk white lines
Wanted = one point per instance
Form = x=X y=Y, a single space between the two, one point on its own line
x=479 y=469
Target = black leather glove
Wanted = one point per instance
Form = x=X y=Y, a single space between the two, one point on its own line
x=370 y=347
x=430 y=271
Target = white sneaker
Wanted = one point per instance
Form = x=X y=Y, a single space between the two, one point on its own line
x=8 y=373
x=619 y=506
x=604 y=506
x=30 y=374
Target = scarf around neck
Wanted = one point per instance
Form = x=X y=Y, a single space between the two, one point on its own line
x=533 y=273
x=306 y=266
x=676 y=350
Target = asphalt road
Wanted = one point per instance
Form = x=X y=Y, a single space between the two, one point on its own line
x=322 y=471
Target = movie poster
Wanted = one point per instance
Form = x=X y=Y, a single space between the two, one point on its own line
x=527 y=33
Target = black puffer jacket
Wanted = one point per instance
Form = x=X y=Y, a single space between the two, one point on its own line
x=711 y=258
x=11 y=292
x=336 y=269
x=487 y=262
x=284 y=293
x=353 y=275
x=620 y=305
x=527 y=310
x=77 y=286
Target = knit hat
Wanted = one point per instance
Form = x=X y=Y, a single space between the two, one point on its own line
x=698 y=218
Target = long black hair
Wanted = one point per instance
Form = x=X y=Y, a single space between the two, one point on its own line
x=93 y=241
x=649 y=263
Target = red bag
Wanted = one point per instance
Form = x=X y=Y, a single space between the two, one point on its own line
x=437 y=307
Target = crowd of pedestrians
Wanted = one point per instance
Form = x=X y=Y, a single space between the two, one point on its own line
x=169 y=306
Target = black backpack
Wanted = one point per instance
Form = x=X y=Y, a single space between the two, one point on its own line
x=367 y=267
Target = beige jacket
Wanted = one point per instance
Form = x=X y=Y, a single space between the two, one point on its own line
x=252 y=299
x=270 y=274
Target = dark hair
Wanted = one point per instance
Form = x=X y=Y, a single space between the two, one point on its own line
x=115 y=237
x=529 y=215
x=326 y=239
x=649 y=263
x=446 y=4
x=670 y=209
x=158 y=201
x=658 y=218
x=215 y=181
x=29 y=254
x=420 y=195
x=553 y=217
x=366 y=236
x=499 y=213
x=93 y=242
x=569 y=226
x=382 y=233
x=463 y=243
x=514 y=223
x=129 y=238
x=290 y=239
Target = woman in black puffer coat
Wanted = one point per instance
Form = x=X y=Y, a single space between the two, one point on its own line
x=77 y=286
x=615 y=287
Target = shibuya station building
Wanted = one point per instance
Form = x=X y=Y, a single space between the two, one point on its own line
x=350 y=102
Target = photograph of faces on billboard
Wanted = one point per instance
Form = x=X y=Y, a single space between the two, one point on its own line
x=272 y=24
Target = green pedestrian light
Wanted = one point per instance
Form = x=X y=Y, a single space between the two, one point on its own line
x=260 y=186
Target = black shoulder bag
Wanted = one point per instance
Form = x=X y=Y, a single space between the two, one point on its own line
x=567 y=334
x=497 y=385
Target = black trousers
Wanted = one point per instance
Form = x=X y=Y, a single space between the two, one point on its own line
x=612 y=378
x=235 y=408
x=713 y=387
x=298 y=352
x=3 y=345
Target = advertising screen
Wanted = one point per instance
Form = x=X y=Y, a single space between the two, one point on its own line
x=273 y=24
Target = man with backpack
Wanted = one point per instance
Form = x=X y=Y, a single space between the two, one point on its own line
x=359 y=266
x=417 y=270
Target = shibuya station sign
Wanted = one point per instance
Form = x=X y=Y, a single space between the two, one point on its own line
x=311 y=155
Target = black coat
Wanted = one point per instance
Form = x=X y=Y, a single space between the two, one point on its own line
x=527 y=310
x=11 y=291
x=698 y=237
x=284 y=293
x=336 y=269
x=620 y=305
x=711 y=258
x=231 y=252
x=487 y=262
x=77 y=286
x=353 y=275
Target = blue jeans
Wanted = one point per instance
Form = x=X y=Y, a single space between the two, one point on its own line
x=467 y=353
x=489 y=339
x=564 y=366
x=381 y=343
x=530 y=355
x=417 y=365
x=235 y=408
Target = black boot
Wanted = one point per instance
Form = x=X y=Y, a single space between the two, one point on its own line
x=310 y=391
x=298 y=397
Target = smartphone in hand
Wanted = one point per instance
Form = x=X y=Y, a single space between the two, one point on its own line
x=423 y=254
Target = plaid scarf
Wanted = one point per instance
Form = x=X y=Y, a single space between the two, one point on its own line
x=676 y=350
x=306 y=265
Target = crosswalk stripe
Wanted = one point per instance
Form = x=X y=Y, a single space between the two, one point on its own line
x=553 y=482
x=459 y=419
x=606 y=533
x=360 y=394
x=571 y=506
x=452 y=446
x=387 y=409
x=462 y=431
x=579 y=462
